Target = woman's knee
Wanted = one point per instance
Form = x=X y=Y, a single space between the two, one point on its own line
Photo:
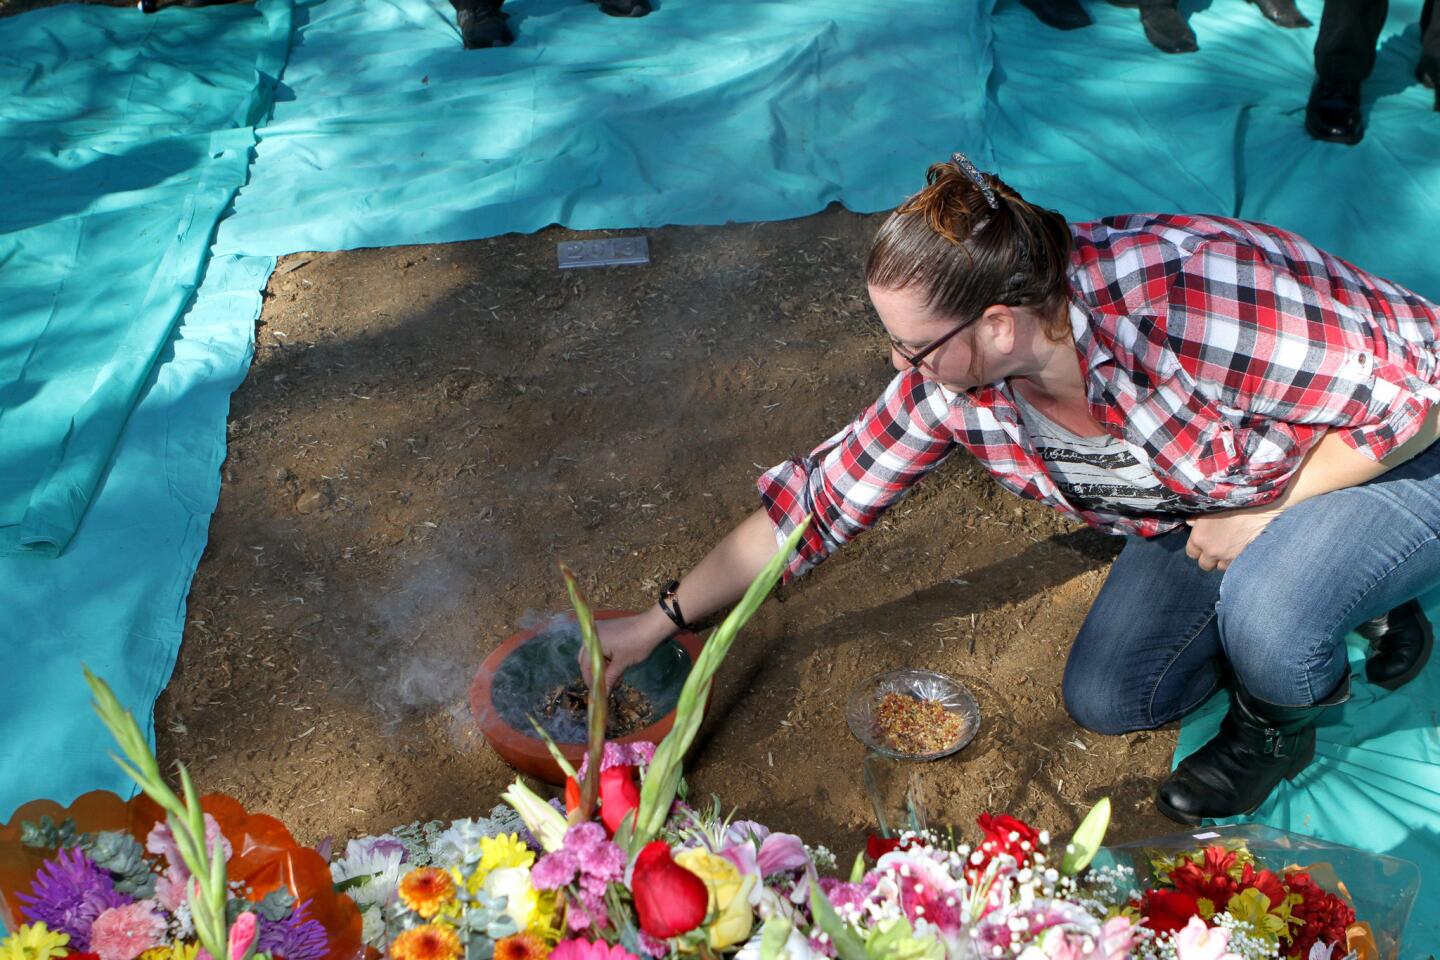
x=1096 y=699
x=1274 y=643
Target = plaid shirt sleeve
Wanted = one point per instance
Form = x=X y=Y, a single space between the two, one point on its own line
x=1288 y=342
x=851 y=479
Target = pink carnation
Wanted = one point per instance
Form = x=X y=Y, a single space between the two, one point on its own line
x=554 y=870
x=123 y=933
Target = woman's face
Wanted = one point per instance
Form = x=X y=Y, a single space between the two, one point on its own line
x=913 y=326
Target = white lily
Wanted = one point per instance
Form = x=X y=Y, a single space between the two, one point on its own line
x=544 y=821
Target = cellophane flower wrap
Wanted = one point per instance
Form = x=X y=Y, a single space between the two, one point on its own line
x=1290 y=895
x=124 y=893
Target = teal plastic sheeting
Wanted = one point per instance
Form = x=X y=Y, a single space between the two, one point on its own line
x=388 y=132
x=385 y=131
x=122 y=140
x=1096 y=121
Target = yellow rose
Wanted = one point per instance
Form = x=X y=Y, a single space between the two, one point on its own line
x=521 y=900
x=730 y=914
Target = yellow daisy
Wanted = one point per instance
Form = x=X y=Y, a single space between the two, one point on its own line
x=506 y=850
x=34 y=941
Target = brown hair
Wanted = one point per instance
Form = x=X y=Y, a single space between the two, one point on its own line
x=949 y=244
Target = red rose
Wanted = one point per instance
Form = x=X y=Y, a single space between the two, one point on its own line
x=619 y=795
x=1169 y=910
x=669 y=900
x=1007 y=835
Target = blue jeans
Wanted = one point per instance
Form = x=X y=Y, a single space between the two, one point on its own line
x=1154 y=644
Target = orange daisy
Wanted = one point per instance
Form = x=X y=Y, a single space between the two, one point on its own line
x=427 y=943
x=426 y=890
x=522 y=946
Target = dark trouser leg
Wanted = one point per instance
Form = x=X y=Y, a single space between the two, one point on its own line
x=1428 y=69
x=1349 y=30
x=482 y=24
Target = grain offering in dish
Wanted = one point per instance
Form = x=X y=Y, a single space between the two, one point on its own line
x=914 y=725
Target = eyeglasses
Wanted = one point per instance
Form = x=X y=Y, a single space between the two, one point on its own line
x=915 y=359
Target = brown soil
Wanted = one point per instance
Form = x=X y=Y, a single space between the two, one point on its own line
x=427 y=430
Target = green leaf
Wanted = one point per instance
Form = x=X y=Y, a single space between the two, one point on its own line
x=599 y=702
x=857 y=869
x=657 y=793
x=1087 y=839
x=560 y=759
x=848 y=946
x=774 y=935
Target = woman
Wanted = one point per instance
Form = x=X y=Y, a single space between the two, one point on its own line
x=1254 y=415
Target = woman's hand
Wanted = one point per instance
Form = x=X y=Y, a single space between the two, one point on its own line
x=1216 y=539
x=626 y=641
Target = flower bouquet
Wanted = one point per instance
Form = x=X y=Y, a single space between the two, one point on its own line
x=161 y=878
x=1281 y=894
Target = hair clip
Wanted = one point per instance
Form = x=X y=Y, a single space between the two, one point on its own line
x=964 y=165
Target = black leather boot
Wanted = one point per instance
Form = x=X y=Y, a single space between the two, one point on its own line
x=1167 y=30
x=1333 y=112
x=624 y=8
x=1282 y=13
x=1259 y=744
x=1060 y=14
x=483 y=25
x=1400 y=643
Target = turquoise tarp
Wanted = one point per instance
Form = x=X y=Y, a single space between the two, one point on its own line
x=384 y=131
x=122 y=140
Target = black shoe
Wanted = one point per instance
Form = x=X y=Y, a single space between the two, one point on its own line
x=624 y=8
x=1060 y=14
x=1282 y=13
x=1167 y=30
x=1259 y=744
x=484 y=28
x=1333 y=112
x=1400 y=643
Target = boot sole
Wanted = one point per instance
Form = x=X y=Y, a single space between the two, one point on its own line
x=1395 y=683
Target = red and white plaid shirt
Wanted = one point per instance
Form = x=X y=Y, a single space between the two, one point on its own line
x=1218 y=351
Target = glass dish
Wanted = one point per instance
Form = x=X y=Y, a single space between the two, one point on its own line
x=921 y=685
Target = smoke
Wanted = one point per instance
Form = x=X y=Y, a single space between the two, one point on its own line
x=421 y=647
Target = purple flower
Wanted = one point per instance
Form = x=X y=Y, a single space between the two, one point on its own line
x=583 y=838
x=554 y=870
x=595 y=856
x=69 y=892
x=621 y=755
x=297 y=937
x=384 y=845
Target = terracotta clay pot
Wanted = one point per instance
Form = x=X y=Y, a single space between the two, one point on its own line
x=518 y=746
